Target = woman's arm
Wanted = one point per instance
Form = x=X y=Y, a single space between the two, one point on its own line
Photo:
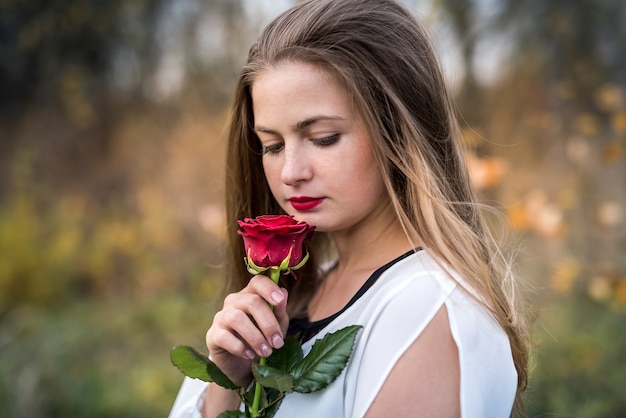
x=425 y=382
x=217 y=400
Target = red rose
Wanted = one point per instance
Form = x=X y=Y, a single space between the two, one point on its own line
x=272 y=240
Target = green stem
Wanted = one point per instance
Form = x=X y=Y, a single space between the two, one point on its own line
x=254 y=410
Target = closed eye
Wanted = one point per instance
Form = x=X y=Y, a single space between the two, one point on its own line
x=326 y=141
x=273 y=149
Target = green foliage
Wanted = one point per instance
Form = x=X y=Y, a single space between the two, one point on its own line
x=52 y=254
x=579 y=369
x=100 y=196
x=37 y=254
x=287 y=357
x=290 y=371
x=552 y=40
x=273 y=378
x=198 y=366
x=63 y=50
x=325 y=361
x=93 y=359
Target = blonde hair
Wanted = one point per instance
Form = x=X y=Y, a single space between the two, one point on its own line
x=384 y=58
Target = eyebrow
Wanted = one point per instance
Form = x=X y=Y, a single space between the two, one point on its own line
x=298 y=127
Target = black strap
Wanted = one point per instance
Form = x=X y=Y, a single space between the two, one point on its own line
x=305 y=330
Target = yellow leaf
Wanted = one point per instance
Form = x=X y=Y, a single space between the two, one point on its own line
x=518 y=218
x=600 y=288
x=587 y=124
x=620 y=291
x=613 y=152
x=618 y=121
x=564 y=275
x=485 y=172
x=609 y=98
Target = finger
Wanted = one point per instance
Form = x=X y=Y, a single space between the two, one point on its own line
x=281 y=314
x=257 y=308
x=221 y=340
x=272 y=322
x=267 y=289
x=249 y=326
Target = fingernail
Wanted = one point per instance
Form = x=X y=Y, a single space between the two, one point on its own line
x=249 y=354
x=277 y=341
x=266 y=350
x=277 y=297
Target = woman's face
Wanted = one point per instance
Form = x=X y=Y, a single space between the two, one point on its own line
x=317 y=154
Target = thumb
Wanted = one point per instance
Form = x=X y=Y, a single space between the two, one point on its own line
x=280 y=310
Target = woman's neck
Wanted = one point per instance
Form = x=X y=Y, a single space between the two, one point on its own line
x=359 y=255
x=368 y=249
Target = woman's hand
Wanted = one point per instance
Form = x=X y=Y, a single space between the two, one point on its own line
x=247 y=328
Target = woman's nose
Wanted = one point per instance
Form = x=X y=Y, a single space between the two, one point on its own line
x=296 y=166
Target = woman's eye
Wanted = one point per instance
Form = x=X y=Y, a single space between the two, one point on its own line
x=329 y=140
x=273 y=149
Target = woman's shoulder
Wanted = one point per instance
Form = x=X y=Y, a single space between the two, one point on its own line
x=409 y=297
x=411 y=294
x=422 y=285
x=419 y=271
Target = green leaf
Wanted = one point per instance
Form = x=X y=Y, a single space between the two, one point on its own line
x=195 y=365
x=270 y=377
x=326 y=360
x=219 y=377
x=273 y=403
x=271 y=400
x=248 y=397
x=286 y=356
x=232 y=414
x=190 y=362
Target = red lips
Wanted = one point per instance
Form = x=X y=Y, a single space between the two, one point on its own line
x=304 y=203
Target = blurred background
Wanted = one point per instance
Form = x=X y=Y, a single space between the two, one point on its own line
x=111 y=167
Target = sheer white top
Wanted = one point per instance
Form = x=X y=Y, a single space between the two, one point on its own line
x=393 y=313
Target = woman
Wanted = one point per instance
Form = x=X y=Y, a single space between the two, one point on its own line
x=341 y=119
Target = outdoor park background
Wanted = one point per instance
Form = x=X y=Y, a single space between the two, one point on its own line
x=111 y=167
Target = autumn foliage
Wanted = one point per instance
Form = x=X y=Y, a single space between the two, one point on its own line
x=111 y=173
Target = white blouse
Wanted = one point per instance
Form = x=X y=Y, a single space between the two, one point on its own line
x=393 y=313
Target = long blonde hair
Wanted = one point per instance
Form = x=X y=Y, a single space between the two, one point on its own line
x=384 y=58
